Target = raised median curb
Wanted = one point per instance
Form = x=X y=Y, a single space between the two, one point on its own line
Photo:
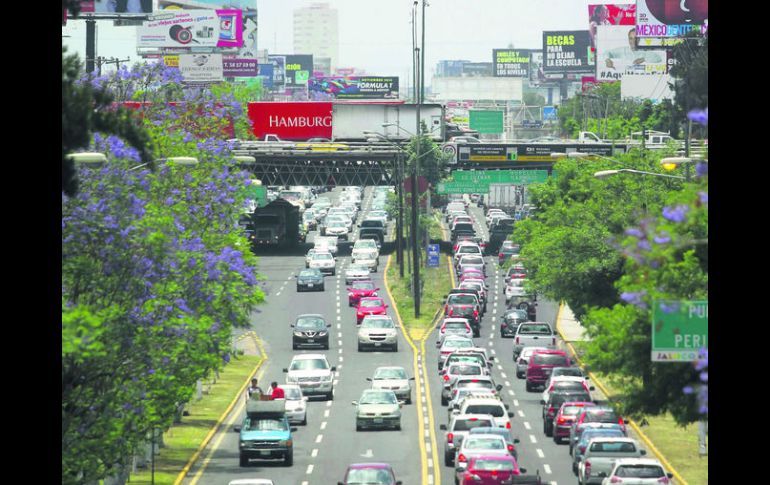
x=631 y=422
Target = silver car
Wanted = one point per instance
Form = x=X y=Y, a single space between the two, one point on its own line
x=456 y=371
x=368 y=261
x=296 y=404
x=324 y=262
x=458 y=429
x=377 y=331
x=393 y=379
x=378 y=409
x=356 y=272
x=313 y=374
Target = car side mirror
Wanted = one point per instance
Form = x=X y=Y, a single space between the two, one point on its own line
x=523 y=470
x=340 y=483
x=592 y=388
x=354 y=403
x=411 y=378
x=442 y=427
x=305 y=398
x=670 y=475
x=438 y=344
x=334 y=368
x=461 y=468
x=642 y=452
x=293 y=430
x=516 y=441
x=507 y=406
x=376 y=289
x=399 y=482
x=296 y=276
x=542 y=402
x=369 y=379
x=286 y=370
x=237 y=428
x=499 y=387
x=328 y=325
x=491 y=358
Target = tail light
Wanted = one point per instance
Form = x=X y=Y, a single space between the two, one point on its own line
x=450 y=437
x=582 y=449
x=588 y=469
x=462 y=458
x=551 y=410
x=517 y=340
x=511 y=448
x=553 y=341
x=500 y=255
x=616 y=480
x=446 y=377
x=475 y=314
x=561 y=420
x=663 y=480
x=508 y=425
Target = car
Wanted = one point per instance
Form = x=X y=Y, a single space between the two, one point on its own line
x=372 y=305
x=310 y=279
x=533 y=334
x=374 y=224
x=460 y=218
x=455 y=326
x=364 y=246
x=451 y=344
x=481 y=445
x=465 y=249
x=296 y=404
x=471 y=273
x=515 y=272
x=465 y=305
x=377 y=408
x=377 y=331
x=574 y=383
x=324 y=262
x=486 y=403
x=265 y=433
x=313 y=374
x=510 y=321
x=458 y=428
x=589 y=434
x=600 y=457
x=510 y=441
x=540 y=365
x=480 y=288
x=370 y=261
x=522 y=362
x=515 y=292
x=309 y=220
x=594 y=417
x=379 y=214
x=335 y=217
x=356 y=272
x=310 y=330
x=477 y=384
x=638 y=471
x=251 y=481
x=568 y=371
x=338 y=229
x=361 y=289
x=393 y=378
x=327 y=244
x=309 y=256
x=466 y=356
x=471 y=260
x=455 y=371
x=506 y=253
x=464 y=139
x=558 y=424
x=370 y=474
x=493 y=469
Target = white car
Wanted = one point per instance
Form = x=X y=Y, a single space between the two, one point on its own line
x=487 y=404
x=377 y=331
x=565 y=383
x=324 y=262
x=326 y=244
x=368 y=261
x=465 y=249
x=365 y=249
x=513 y=289
x=638 y=471
x=378 y=409
x=309 y=256
x=337 y=229
x=377 y=214
x=296 y=403
x=313 y=374
x=481 y=444
x=393 y=379
x=356 y=272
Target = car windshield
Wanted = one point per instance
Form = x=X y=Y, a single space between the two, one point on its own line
x=476 y=384
x=571 y=410
x=613 y=447
x=378 y=397
x=465 y=370
x=640 y=471
x=469 y=249
x=265 y=424
x=472 y=260
x=550 y=359
x=369 y=476
x=567 y=371
x=335 y=224
x=560 y=397
x=371 y=223
x=310 y=323
x=461 y=300
x=292 y=393
x=386 y=373
x=590 y=434
x=466 y=359
x=371 y=303
x=362 y=285
x=483 y=443
x=458 y=344
x=309 y=364
x=358 y=267
x=600 y=416
x=308 y=273
x=470 y=423
x=568 y=385
x=365 y=244
x=495 y=410
x=542 y=329
x=516 y=315
x=377 y=323
x=487 y=464
x=323 y=256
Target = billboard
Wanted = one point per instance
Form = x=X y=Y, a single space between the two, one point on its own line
x=201 y=67
x=279 y=72
x=671 y=18
x=511 y=62
x=239 y=67
x=477 y=69
x=291 y=121
x=617 y=54
x=192 y=28
x=355 y=87
x=297 y=69
x=604 y=14
x=654 y=87
x=567 y=51
x=478 y=88
x=112 y=7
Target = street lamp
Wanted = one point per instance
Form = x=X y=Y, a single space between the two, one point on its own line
x=89 y=159
x=671 y=163
x=608 y=173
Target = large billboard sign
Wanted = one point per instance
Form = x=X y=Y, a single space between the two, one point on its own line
x=567 y=51
x=279 y=72
x=201 y=67
x=605 y=14
x=355 y=87
x=291 y=121
x=617 y=54
x=511 y=62
x=113 y=7
x=671 y=18
x=192 y=28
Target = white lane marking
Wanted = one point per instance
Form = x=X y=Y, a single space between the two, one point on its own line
x=309 y=469
x=493 y=319
x=425 y=420
x=340 y=351
x=342 y=358
x=491 y=335
x=499 y=367
x=279 y=293
x=319 y=438
x=290 y=277
x=305 y=483
x=328 y=404
x=493 y=327
x=339 y=318
x=532 y=438
x=340 y=341
x=548 y=470
x=521 y=413
x=338 y=303
x=491 y=344
x=540 y=453
x=493 y=352
x=336 y=382
x=527 y=426
x=502 y=374
x=326 y=413
x=506 y=382
x=314 y=453
x=430 y=479
x=430 y=462
x=339 y=334
x=323 y=425
x=515 y=402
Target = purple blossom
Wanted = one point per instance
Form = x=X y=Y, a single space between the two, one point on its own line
x=226 y=358
x=644 y=245
x=669 y=307
x=703 y=197
x=701 y=169
x=677 y=213
x=699 y=116
x=662 y=238
x=634 y=298
x=151 y=371
x=688 y=390
x=633 y=231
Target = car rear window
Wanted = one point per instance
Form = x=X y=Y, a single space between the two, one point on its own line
x=600 y=416
x=613 y=447
x=465 y=370
x=543 y=329
x=557 y=399
x=493 y=409
x=475 y=385
x=571 y=410
x=549 y=359
x=460 y=325
x=461 y=300
x=639 y=471
x=470 y=423
x=568 y=386
x=488 y=464
x=463 y=226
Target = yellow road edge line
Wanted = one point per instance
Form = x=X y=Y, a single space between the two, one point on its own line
x=631 y=422
x=183 y=474
x=431 y=422
x=418 y=381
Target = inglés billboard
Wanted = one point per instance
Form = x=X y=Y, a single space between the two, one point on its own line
x=511 y=62
x=567 y=52
x=192 y=28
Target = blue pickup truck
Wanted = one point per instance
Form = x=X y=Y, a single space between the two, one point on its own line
x=265 y=433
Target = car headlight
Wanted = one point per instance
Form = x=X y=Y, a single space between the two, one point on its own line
x=297 y=334
x=291 y=379
x=375 y=294
x=285 y=443
x=323 y=334
x=327 y=378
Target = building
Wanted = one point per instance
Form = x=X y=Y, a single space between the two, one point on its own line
x=316 y=31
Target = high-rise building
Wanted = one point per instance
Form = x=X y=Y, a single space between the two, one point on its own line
x=316 y=32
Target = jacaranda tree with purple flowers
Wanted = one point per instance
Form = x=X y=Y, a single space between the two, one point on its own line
x=155 y=275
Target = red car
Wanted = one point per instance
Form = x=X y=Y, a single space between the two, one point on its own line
x=564 y=418
x=472 y=274
x=540 y=365
x=488 y=470
x=370 y=306
x=360 y=289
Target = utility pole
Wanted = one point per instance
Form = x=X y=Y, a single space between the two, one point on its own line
x=422 y=62
x=415 y=206
x=400 y=224
x=90 y=45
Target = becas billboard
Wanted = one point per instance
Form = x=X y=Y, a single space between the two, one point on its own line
x=671 y=18
x=567 y=51
x=297 y=69
x=291 y=121
x=112 y=7
x=355 y=87
x=617 y=54
x=511 y=62
x=606 y=14
x=192 y=28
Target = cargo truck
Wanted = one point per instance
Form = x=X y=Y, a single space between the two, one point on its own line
x=276 y=224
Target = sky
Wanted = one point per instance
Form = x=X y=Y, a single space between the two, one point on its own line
x=375 y=35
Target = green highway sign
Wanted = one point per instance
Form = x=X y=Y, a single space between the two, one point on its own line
x=486 y=121
x=456 y=188
x=486 y=177
x=679 y=329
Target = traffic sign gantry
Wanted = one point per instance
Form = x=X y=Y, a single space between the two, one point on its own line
x=478 y=181
x=679 y=330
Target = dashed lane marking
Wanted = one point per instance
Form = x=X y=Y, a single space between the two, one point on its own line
x=328 y=404
x=314 y=453
x=547 y=470
x=309 y=469
x=527 y=426
x=540 y=453
x=532 y=438
x=521 y=413
x=319 y=438
x=326 y=413
x=502 y=374
x=323 y=425
x=515 y=402
x=507 y=383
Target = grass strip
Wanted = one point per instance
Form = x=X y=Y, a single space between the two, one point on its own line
x=182 y=440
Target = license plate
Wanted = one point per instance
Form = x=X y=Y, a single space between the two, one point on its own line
x=310 y=340
x=377 y=344
x=378 y=421
x=310 y=285
x=264 y=453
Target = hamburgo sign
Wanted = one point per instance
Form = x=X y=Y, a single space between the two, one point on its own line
x=291 y=121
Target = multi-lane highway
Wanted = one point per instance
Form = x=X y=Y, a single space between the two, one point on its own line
x=329 y=442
